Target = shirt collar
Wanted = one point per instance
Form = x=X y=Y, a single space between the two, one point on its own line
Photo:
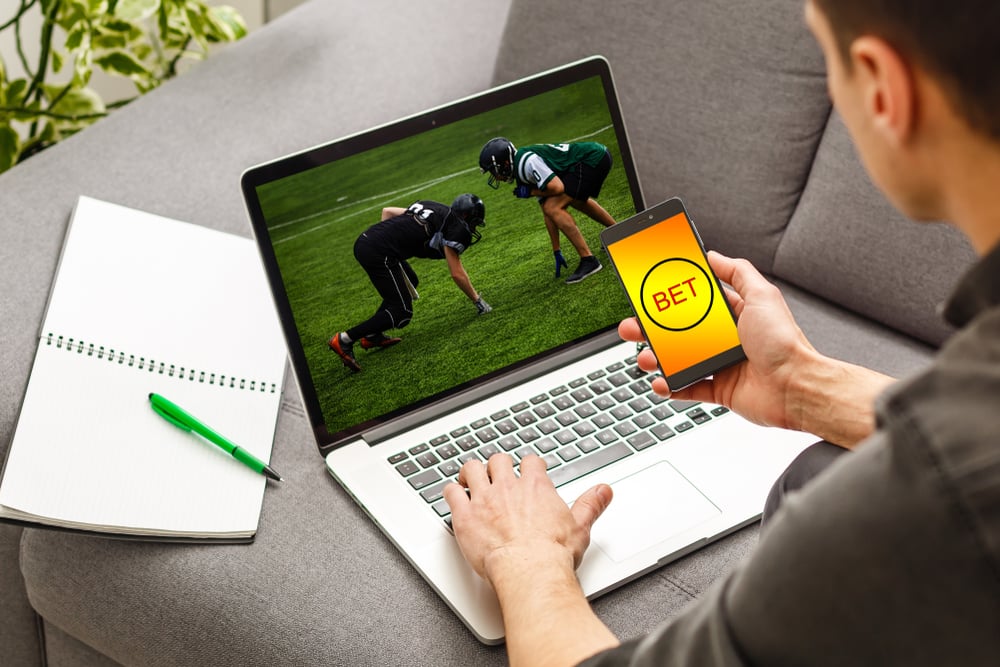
x=978 y=290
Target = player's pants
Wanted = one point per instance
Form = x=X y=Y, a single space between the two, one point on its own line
x=388 y=275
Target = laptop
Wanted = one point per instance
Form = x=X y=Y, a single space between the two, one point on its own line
x=543 y=372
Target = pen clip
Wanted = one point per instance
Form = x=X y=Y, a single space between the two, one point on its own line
x=169 y=417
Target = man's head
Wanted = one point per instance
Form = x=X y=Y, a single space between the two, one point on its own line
x=497 y=159
x=915 y=81
x=471 y=210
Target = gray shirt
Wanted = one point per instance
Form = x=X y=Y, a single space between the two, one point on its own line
x=892 y=555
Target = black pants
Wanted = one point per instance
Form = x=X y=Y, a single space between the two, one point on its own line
x=388 y=275
x=813 y=460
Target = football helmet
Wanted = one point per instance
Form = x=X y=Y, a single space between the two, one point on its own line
x=497 y=158
x=471 y=210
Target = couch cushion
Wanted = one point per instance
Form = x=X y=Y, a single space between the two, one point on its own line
x=725 y=102
x=846 y=243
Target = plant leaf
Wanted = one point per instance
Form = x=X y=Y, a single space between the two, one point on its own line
x=228 y=22
x=122 y=62
x=10 y=147
x=136 y=10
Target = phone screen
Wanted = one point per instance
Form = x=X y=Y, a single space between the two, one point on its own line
x=678 y=300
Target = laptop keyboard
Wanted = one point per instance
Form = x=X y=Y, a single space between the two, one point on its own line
x=576 y=428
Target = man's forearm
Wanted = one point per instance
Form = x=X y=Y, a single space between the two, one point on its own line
x=547 y=619
x=835 y=400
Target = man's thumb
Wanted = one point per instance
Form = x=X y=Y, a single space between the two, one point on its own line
x=591 y=504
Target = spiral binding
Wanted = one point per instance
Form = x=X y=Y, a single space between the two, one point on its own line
x=158 y=367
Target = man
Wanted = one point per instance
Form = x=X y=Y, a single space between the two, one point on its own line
x=560 y=175
x=426 y=229
x=892 y=555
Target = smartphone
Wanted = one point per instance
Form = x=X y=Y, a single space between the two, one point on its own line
x=680 y=304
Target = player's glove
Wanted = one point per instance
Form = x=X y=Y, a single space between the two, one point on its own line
x=522 y=191
x=482 y=307
x=560 y=261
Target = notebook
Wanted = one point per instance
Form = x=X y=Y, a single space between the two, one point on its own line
x=543 y=372
x=141 y=304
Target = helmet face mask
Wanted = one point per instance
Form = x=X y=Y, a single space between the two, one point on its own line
x=471 y=210
x=497 y=159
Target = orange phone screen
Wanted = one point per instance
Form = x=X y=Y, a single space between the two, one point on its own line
x=675 y=295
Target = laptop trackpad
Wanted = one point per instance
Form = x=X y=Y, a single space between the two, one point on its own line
x=649 y=506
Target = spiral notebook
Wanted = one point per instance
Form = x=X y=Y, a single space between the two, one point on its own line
x=142 y=304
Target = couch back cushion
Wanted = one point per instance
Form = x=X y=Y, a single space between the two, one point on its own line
x=724 y=101
x=847 y=243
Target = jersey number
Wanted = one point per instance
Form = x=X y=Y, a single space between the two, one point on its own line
x=420 y=211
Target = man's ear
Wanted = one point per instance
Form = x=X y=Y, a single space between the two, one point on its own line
x=888 y=88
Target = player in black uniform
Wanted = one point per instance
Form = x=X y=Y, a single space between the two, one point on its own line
x=426 y=229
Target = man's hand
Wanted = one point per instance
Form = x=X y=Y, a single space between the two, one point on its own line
x=784 y=382
x=505 y=518
x=522 y=191
x=560 y=261
x=519 y=535
x=481 y=306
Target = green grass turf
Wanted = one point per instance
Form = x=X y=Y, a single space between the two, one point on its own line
x=512 y=266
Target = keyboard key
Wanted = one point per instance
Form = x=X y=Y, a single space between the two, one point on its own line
x=528 y=435
x=582 y=395
x=644 y=421
x=426 y=478
x=546 y=445
x=681 y=406
x=506 y=426
x=488 y=451
x=540 y=398
x=617 y=366
x=641 y=387
x=579 y=382
x=396 y=458
x=625 y=428
x=619 y=379
x=440 y=440
x=585 y=410
x=432 y=494
x=622 y=395
x=466 y=443
x=526 y=419
x=641 y=441
x=497 y=416
x=721 y=410
x=640 y=404
x=548 y=426
x=459 y=432
x=603 y=403
x=442 y=508
x=544 y=410
x=563 y=403
x=562 y=389
x=447 y=451
x=407 y=468
x=601 y=387
x=449 y=468
x=418 y=449
x=596 y=374
x=527 y=450
x=584 y=428
x=684 y=426
x=662 y=431
x=479 y=423
x=661 y=412
x=655 y=398
x=569 y=453
x=551 y=461
x=587 y=445
x=607 y=437
x=634 y=372
x=427 y=459
x=508 y=442
x=468 y=456
x=565 y=437
x=621 y=412
x=588 y=464
x=698 y=416
x=520 y=407
x=487 y=434
x=602 y=421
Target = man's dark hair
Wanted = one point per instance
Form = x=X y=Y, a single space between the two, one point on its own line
x=956 y=41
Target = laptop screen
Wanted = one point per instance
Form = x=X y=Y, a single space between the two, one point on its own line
x=347 y=236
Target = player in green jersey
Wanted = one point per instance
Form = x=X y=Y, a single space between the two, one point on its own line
x=561 y=176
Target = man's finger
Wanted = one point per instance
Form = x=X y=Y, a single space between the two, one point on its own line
x=591 y=505
x=500 y=466
x=473 y=474
x=456 y=497
x=630 y=330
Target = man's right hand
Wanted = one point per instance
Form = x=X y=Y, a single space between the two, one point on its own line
x=560 y=261
x=775 y=347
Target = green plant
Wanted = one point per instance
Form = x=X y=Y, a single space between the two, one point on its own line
x=143 y=40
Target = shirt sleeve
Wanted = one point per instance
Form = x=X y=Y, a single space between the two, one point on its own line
x=875 y=562
x=533 y=170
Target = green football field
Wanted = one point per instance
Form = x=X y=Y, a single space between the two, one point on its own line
x=315 y=217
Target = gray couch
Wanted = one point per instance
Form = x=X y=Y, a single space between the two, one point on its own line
x=726 y=106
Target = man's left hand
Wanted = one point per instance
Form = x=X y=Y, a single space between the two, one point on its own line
x=522 y=191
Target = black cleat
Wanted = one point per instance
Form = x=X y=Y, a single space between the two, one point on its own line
x=345 y=352
x=588 y=267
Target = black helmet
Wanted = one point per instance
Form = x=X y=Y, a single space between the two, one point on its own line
x=471 y=210
x=497 y=158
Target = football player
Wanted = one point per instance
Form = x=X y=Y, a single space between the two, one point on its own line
x=560 y=175
x=426 y=229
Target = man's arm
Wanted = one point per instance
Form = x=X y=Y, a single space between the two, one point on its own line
x=519 y=534
x=784 y=382
x=459 y=275
x=391 y=212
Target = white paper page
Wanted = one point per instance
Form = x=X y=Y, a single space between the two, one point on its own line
x=89 y=449
x=160 y=289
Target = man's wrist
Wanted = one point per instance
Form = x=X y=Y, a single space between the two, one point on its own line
x=505 y=568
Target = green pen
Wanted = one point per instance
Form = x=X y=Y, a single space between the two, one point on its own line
x=181 y=419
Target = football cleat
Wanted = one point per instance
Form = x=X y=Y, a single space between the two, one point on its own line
x=345 y=351
x=588 y=267
x=378 y=341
